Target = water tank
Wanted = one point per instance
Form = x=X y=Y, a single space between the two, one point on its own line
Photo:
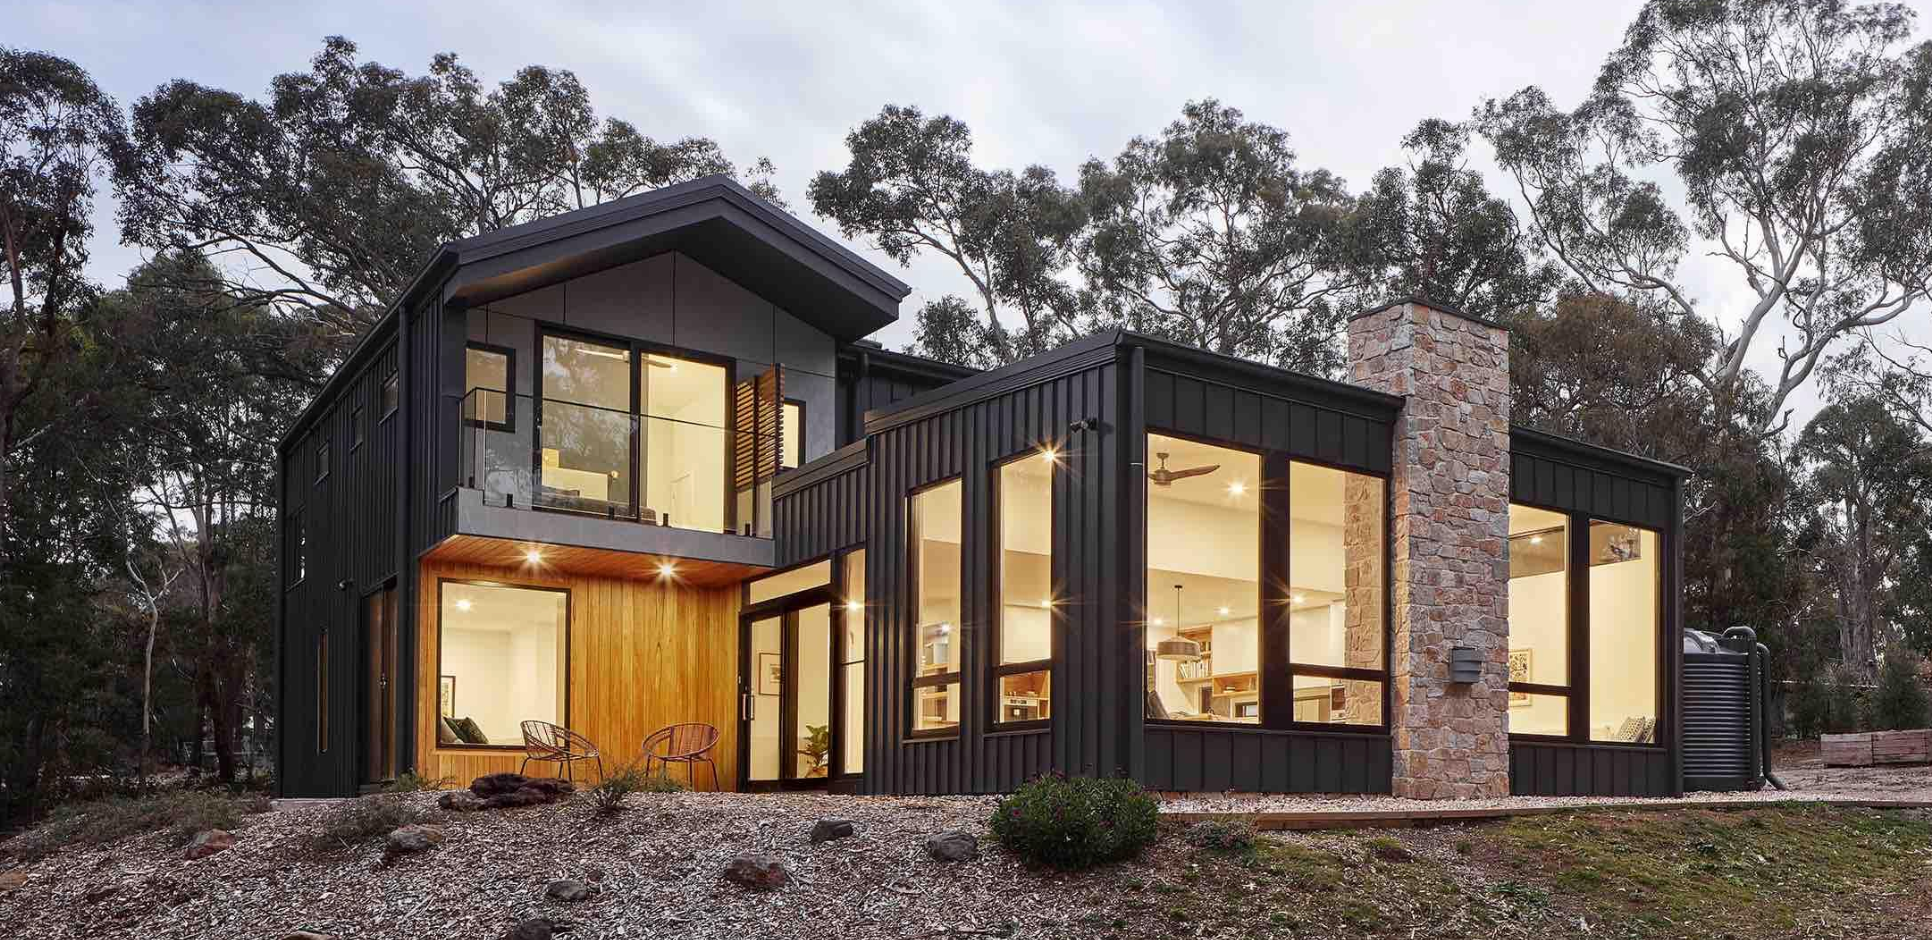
x=1720 y=713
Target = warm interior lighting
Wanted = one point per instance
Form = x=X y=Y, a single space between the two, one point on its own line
x=854 y=606
x=1298 y=598
x=1049 y=455
x=1536 y=540
x=463 y=604
x=1226 y=611
x=533 y=556
x=666 y=570
x=1047 y=603
x=1237 y=488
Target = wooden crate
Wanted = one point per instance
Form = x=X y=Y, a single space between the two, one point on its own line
x=1901 y=747
x=1847 y=750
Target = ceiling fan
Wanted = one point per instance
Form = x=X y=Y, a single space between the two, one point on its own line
x=1165 y=477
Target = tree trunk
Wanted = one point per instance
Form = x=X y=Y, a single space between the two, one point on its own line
x=147 y=697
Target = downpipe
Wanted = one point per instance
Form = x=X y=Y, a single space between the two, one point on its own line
x=1745 y=639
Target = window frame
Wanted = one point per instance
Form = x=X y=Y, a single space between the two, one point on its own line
x=569 y=618
x=358 y=431
x=392 y=380
x=322 y=690
x=298 y=570
x=800 y=403
x=509 y=354
x=913 y=573
x=995 y=574
x=1275 y=657
x=1576 y=694
x=324 y=456
x=843 y=659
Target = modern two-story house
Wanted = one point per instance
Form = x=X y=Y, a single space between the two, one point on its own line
x=638 y=465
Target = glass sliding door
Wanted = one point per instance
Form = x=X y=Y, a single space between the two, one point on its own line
x=786 y=722
x=585 y=428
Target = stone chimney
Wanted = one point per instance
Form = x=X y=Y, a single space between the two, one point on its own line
x=1450 y=497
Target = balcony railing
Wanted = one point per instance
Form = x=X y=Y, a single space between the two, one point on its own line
x=528 y=453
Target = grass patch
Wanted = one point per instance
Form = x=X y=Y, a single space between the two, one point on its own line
x=180 y=813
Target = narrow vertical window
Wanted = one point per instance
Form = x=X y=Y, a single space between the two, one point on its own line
x=852 y=665
x=1623 y=633
x=322 y=691
x=1336 y=553
x=391 y=395
x=934 y=519
x=357 y=429
x=298 y=560
x=1023 y=673
x=1203 y=644
x=792 y=435
x=1539 y=621
x=321 y=461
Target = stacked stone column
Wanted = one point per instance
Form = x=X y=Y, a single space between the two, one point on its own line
x=1450 y=499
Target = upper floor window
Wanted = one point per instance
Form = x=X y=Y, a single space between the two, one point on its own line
x=584 y=444
x=683 y=461
x=487 y=372
x=358 y=430
x=321 y=460
x=933 y=523
x=298 y=557
x=791 y=453
x=1023 y=671
x=390 y=395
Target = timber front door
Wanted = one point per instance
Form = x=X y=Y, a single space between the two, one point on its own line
x=378 y=700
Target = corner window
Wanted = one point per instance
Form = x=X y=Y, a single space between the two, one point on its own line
x=1203 y=627
x=390 y=395
x=1624 y=617
x=487 y=373
x=933 y=519
x=1539 y=621
x=1023 y=672
x=1337 y=574
x=502 y=660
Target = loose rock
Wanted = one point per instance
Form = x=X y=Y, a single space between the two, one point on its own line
x=493 y=784
x=953 y=845
x=307 y=935
x=825 y=830
x=757 y=871
x=532 y=928
x=413 y=838
x=10 y=880
x=208 y=842
x=568 y=889
x=460 y=801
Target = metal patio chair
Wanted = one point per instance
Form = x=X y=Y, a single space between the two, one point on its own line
x=686 y=743
x=543 y=741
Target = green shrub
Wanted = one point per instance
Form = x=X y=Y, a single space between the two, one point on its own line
x=353 y=822
x=181 y=813
x=409 y=782
x=1899 y=703
x=607 y=797
x=1844 y=711
x=1076 y=822
x=1227 y=835
x=1810 y=708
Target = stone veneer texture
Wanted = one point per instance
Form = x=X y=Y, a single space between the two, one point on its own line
x=1451 y=528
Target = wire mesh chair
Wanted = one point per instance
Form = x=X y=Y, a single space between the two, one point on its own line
x=545 y=742
x=686 y=743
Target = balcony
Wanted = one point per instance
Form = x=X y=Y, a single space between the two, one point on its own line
x=584 y=475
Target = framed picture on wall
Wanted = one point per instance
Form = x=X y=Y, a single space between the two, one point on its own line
x=446 y=696
x=771 y=674
x=1520 y=662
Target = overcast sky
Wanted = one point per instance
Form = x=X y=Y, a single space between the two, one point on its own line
x=1036 y=84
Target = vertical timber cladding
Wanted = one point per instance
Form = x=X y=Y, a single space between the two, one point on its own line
x=1259 y=409
x=1569 y=476
x=343 y=524
x=965 y=434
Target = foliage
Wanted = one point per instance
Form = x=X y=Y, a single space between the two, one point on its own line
x=1076 y=822
x=1786 y=127
x=818 y=744
x=340 y=180
x=1899 y=702
x=911 y=187
x=350 y=823
x=1211 y=235
x=180 y=812
x=607 y=797
x=1227 y=835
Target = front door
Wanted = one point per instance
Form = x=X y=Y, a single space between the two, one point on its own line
x=785 y=722
x=378 y=725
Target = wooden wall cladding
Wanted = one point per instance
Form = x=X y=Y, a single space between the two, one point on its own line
x=1538 y=768
x=642 y=655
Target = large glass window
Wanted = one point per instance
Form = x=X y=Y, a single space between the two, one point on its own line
x=852 y=664
x=802 y=578
x=1336 y=576
x=1203 y=646
x=1024 y=670
x=792 y=453
x=584 y=446
x=1539 y=621
x=1623 y=633
x=486 y=386
x=683 y=457
x=933 y=537
x=502 y=660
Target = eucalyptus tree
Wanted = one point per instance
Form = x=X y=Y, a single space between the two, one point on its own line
x=911 y=187
x=1789 y=136
x=1210 y=234
x=324 y=196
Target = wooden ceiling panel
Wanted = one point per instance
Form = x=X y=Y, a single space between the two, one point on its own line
x=592 y=562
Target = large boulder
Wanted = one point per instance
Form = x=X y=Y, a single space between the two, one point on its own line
x=493 y=784
x=757 y=871
x=568 y=889
x=825 y=830
x=504 y=790
x=412 y=838
x=460 y=801
x=209 y=841
x=953 y=845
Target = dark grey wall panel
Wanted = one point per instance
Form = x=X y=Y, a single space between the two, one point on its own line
x=1546 y=480
x=1538 y=768
x=1330 y=432
x=1257 y=760
x=822 y=518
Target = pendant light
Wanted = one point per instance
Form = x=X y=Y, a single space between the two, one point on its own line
x=1180 y=649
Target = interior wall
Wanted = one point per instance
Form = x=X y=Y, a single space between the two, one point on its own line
x=641 y=655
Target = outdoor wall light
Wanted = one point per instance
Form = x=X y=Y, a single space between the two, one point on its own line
x=1465 y=665
x=533 y=556
x=667 y=570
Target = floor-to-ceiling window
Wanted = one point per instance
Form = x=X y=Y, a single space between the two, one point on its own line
x=502 y=655
x=683 y=460
x=1337 y=578
x=1539 y=621
x=1023 y=670
x=933 y=541
x=852 y=663
x=1624 y=598
x=584 y=433
x=1203 y=617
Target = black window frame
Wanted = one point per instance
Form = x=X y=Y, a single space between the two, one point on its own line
x=800 y=402
x=389 y=394
x=1576 y=693
x=298 y=547
x=357 y=432
x=508 y=391
x=569 y=615
x=324 y=456
x=995 y=573
x=1275 y=657
x=913 y=575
